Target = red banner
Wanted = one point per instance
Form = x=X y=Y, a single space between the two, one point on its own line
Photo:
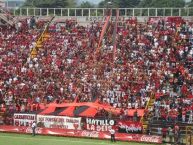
x=84 y=133
x=103 y=32
x=129 y=127
x=115 y=36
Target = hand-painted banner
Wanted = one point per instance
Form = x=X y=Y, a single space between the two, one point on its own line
x=52 y=106
x=84 y=133
x=24 y=119
x=59 y=122
x=99 y=124
x=129 y=127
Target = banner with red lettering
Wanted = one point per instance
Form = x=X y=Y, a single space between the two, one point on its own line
x=24 y=119
x=59 y=122
x=99 y=124
x=84 y=133
x=129 y=127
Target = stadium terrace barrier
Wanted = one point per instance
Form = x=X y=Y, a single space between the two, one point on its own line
x=77 y=123
x=99 y=12
x=84 y=134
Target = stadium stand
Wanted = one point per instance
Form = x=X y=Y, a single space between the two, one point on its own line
x=150 y=69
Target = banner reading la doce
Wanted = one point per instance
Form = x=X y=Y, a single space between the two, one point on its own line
x=59 y=122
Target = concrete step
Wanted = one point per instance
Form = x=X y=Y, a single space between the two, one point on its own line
x=39 y=46
x=33 y=56
x=152 y=100
x=46 y=36
x=151 y=104
x=1 y=113
x=44 y=39
x=144 y=127
x=39 y=42
x=145 y=122
x=33 y=53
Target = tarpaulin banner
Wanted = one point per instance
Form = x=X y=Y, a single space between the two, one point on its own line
x=59 y=122
x=84 y=133
x=129 y=127
x=24 y=119
x=52 y=107
x=99 y=124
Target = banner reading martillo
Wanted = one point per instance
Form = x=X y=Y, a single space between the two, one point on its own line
x=99 y=124
x=59 y=122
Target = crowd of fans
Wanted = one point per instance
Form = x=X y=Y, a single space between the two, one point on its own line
x=15 y=46
x=150 y=58
x=174 y=94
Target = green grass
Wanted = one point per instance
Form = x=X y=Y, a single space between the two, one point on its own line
x=22 y=139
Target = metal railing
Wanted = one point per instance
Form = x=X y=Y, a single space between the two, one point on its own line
x=99 y=12
x=8 y=18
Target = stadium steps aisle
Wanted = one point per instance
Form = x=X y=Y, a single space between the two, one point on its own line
x=189 y=135
x=1 y=113
x=39 y=43
x=44 y=36
x=145 y=120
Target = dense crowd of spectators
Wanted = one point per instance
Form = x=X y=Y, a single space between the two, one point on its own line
x=174 y=91
x=153 y=57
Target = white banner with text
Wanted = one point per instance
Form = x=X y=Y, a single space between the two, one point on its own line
x=21 y=119
x=59 y=122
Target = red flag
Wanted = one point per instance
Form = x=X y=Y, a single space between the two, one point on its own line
x=115 y=35
x=102 y=33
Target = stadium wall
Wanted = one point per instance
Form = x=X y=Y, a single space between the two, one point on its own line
x=83 y=134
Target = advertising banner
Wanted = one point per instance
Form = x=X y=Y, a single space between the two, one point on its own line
x=24 y=119
x=99 y=124
x=84 y=133
x=59 y=122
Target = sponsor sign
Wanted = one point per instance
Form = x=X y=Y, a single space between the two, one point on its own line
x=59 y=122
x=24 y=119
x=84 y=133
x=129 y=127
x=98 y=18
x=99 y=124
